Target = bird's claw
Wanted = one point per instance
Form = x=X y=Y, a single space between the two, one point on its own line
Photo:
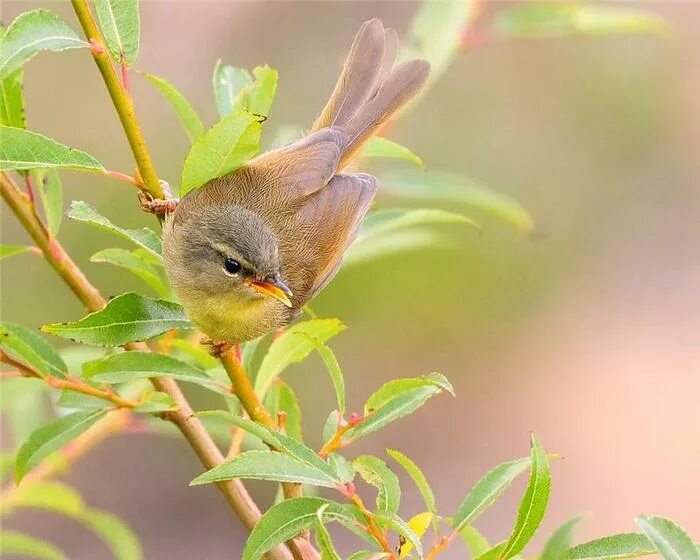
x=216 y=348
x=159 y=206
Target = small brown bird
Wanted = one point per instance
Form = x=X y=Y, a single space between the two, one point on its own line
x=247 y=251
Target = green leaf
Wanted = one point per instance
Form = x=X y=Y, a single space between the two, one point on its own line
x=12 y=99
x=391 y=231
x=12 y=250
x=493 y=553
x=533 y=503
x=672 y=542
x=330 y=425
x=223 y=148
x=183 y=109
x=51 y=437
x=23 y=402
x=555 y=19
x=323 y=538
x=418 y=479
x=155 y=401
x=47 y=495
x=51 y=193
x=614 y=547
x=22 y=149
x=126 y=318
x=475 y=541
x=285 y=520
x=31 y=33
x=374 y=471
x=558 y=545
x=452 y=189
x=292 y=347
x=398 y=525
x=127 y=366
x=136 y=264
x=281 y=398
x=344 y=468
x=384 y=148
x=396 y=399
x=262 y=92
x=29 y=348
x=144 y=237
x=334 y=371
x=12 y=542
x=194 y=354
x=368 y=555
x=7 y=464
x=121 y=26
x=230 y=85
x=120 y=538
x=72 y=401
x=487 y=490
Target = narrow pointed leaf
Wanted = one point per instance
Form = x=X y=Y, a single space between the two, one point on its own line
x=118 y=536
x=126 y=318
x=344 y=468
x=12 y=250
x=223 y=148
x=120 y=23
x=418 y=478
x=12 y=100
x=50 y=496
x=419 y=525
x=487 y=490
x=323 y=538
x=475 y=541
x=134 y=263
x=558 y=545
x=292 y=347
x=32 y=349
x=285 y=520
x=51 y=437
x=31 y=33
x=51 y=193
x=533 y=503
x=186 y=114
x=493 y=553
x=20 y=544
x=262 y=92
x=374 y=471
x=379 y=147
x=82 y=212
x=195 y=354
x=334 y=371
x=614 y=547
x=281 y=399
x=398 y=525
x=22 y=149
x=230 y=85
x=672 y=542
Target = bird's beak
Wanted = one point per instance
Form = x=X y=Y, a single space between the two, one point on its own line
x=274 y=288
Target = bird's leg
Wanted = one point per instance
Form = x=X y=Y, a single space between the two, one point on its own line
x=216 y=348
x=159 y=206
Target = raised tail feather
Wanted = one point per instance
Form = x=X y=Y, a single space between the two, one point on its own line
x=370 y=88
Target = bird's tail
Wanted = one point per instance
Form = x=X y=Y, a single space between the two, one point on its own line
x=370 y=88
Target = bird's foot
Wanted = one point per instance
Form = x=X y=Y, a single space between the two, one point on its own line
x=216 y=348
x=159 y=206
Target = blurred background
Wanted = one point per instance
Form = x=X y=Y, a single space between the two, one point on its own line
x=585 y=333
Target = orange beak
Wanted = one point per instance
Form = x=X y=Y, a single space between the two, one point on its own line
x=276 y=289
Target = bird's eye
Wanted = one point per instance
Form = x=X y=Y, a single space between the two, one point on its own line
x=232 y=266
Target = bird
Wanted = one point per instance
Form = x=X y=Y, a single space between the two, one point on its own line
x=245 y=252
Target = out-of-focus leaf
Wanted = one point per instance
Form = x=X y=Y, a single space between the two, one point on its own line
x=487 y=490
x=418 y=479
x=323 y=538
x=391 y=231
x=126 y=318
x=12 y=250
x=31 y=33
x=281 y=398
x=121 y=27
x=554 y=19
x=285 y=520
x=368 y=555
x=23 y=149
x=183 y=109
x=453 y=189
x=398 y=525
x=381 y=147
x=194 y=354
x=144 y=237
x=672 y=542
x=475 y=541
x=419 y=525
x=396 y=399
x=330 y=425
x=223 y=148
x=71 y=400
x=614 y=547
x=557 y=546
x=7 y=463
x=292 y=347
x=533 y=503
x=131 y=261
x=155 y=401
x=23 y=403
x=267 y=465
x=48 y=495
x=436 y=31
x=344 y=468
x=334 y=371
x=12 y=542
x=12 y=97
x=51 y=193
x=374 y=471
x=29 y=348
x=51 y=437
x=230 y=85
x=120 y=538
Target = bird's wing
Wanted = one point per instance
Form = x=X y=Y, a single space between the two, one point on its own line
x=328 y=222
